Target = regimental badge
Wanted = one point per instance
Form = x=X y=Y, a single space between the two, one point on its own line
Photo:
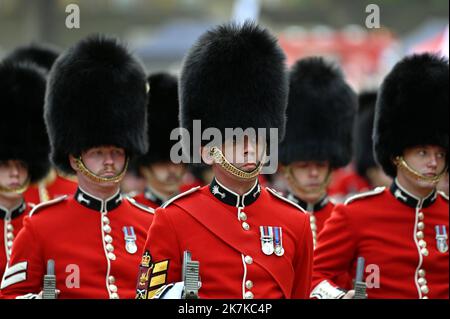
x=144 y=276
x=267 y=240
x=130 y=239
x=441 y=238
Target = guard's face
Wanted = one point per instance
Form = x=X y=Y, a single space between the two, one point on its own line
x=428 y=160
x=245 y=153
x=105 y=161
x=310 y=176
x=13 y=174
x=165 y=176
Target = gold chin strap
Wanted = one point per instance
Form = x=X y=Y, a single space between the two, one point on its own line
x=19 y=190
x=400 y=162
x=98 y=179
x=220 y=159
x=299 y=189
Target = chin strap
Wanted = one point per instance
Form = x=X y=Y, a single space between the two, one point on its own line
x=98 y=179
x=298 y=188
x=18 y=190
x=400 y=162
x=220 y=159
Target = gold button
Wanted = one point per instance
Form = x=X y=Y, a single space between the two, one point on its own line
x=113 y=288
x=9 y=227
x=424 y=252
x=111 y=280
x=422 y=273
x=422 y=281
x=424 y=289
x=107 y=229
x=114 y=295
x=420 y=225
x=421 y=216
x=108 y=239
x=9 y=244
x=422 y=243
x=248 y=260
x=249 y=284
x=312 y=218
x=10 y=236
x=249 y=295
x=105 y=220
x=111 y=256
x=420 y=235
x=243 y=216
x=110 y=248
x=245 y=226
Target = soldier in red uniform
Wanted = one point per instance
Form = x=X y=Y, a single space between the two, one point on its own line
x=95 y=113
x=250 y=241
x=321 y=112
x=402 y=231
x=23 y=160
x=164 y=178
x=54 y=184
x=365 y=174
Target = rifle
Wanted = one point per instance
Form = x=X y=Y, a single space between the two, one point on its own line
x=360 y=284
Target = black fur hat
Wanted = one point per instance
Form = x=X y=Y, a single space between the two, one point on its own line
x=22 y=130
x=163 y=109
x=42 y=55
x=364 y=158
x=411 y=109
x=234 y=77
x=321 y=113
x=96 y=96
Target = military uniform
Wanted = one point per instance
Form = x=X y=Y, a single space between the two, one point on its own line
x=96 y=96
x=23 y=138
x=403 y=238
x=254 y=245
x=319 y=129
x=394 y=231
x=102 y=238
x=11 y=222
x=222 y=230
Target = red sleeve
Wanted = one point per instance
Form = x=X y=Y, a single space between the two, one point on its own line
x=24 y=274
x=303 y=264
x=164 y=250
x=334 y=254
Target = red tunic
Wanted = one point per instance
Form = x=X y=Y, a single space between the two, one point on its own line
x=11 y=222
x=222 y=231
x=404 y=241
x=85 y=236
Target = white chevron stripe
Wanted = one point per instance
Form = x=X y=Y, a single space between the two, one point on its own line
x=13 y=280
x=19 y=267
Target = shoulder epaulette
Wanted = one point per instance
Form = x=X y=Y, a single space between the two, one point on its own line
x=445 y=196
x=38 y=207
x=139 y=205
x=170 y=201
x=373 y=192
x=284 y=199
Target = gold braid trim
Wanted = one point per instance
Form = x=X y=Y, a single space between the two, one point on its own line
x=220 y=159
x=400 y=162
x=97 y=179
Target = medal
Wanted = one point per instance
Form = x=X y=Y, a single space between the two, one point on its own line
x=266 y=240
x=130 y=239
x=441 y=238
x=279 y=250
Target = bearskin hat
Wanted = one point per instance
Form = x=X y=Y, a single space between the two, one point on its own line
x=364 y=158
x=321 y=112
x=42 y=55
x=22 y=130
x=97 y=95
x=163 y=109
x=234 y=77
x=411 y=109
